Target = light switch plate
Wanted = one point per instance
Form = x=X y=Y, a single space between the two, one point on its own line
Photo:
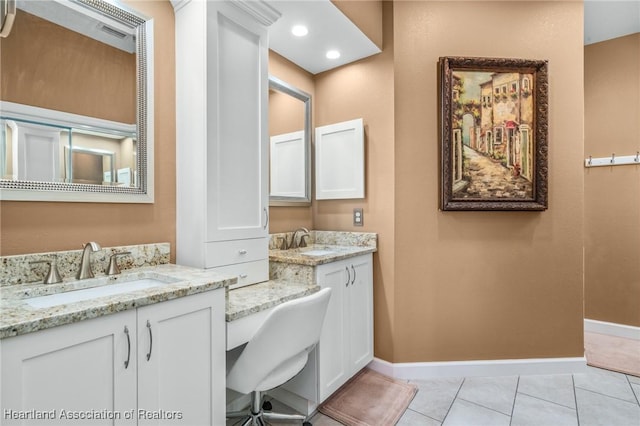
x=358 y=217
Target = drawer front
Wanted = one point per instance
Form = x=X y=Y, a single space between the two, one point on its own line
x=247 y=273
x=242 y=330
x=222 y=253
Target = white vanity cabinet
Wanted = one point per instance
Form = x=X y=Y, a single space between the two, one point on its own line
x=222 y=136
x=346 y=342
x=81 y=369
x=76 y=368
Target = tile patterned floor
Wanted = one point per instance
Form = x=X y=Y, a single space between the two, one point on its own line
x=595 y=398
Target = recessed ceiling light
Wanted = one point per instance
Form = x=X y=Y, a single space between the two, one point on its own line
x=333 y=54
x=299 y=30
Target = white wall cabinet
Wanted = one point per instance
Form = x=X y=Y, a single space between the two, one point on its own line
x=99 y=367
x=340 y=160
x=346 y=342
x=288 y=165
x=222 y=136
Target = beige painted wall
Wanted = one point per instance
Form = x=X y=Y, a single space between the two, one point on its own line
x=447 y=286
x=463 y=285
x=486 y=285
x=612 y=194
x=29 y=227
x=364 y=90
x=366 y=15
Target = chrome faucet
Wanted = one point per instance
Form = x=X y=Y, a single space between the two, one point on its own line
x=85 y=261
x=294 y=243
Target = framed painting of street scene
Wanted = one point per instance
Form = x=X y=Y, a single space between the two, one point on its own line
x=493 y=130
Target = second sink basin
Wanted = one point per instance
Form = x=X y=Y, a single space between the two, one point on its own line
x=317 y=252
x=94 y=292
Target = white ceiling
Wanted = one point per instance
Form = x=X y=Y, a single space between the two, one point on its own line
x=604 y=20
x=330 y=29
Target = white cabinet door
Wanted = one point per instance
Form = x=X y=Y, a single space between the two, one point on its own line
x=360 y=311
x=288 y=163
x=72 y=370
x=340 y=160
x=333 y=348
x=181 y=362
x=237 y=99
x=346 y=343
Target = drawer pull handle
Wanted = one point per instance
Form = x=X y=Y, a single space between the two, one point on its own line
x=126 y=363
x=150 y=340
x=243 y=251
x=348 y=276
x=243 y=276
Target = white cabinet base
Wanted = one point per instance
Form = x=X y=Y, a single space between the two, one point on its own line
x=346 y=342
x=79 y=369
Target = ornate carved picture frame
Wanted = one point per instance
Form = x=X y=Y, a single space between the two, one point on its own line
x=494 y=134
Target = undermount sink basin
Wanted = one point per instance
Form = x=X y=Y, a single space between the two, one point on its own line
x=94 y=292
x=317 y=252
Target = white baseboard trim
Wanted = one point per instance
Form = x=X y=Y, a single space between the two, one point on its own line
x=501 y=367
x=612 y=329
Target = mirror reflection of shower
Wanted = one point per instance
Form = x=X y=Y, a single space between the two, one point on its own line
x=37 y=151
x=68 y=101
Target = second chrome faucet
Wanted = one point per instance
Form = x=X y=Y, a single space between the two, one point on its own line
x=294 y=243
x=85 y=271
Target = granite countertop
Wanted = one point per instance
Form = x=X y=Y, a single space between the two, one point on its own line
x=254 y=298
x=18 y=317
x=337 y=252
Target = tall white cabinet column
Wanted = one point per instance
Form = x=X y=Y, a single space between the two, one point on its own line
x=222 y=136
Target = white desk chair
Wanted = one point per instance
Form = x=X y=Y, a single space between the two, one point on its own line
x=276 y=353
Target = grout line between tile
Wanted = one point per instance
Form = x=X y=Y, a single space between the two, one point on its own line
x=575 y=398
x=485 y=407
x=551 y=402
x=608 y=396
x=424 y=415
x=453 y=400
x=513 y=406
x=632 y=390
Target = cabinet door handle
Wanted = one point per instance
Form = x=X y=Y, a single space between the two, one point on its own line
x=126 y=363
x=354 y=275
x=348 y=276
x=150 y=340
x=266 y=215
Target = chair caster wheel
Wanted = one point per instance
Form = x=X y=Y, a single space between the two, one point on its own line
x=267 y=406
x=307 y=424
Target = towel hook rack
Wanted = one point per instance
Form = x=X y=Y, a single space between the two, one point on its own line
x=613 y=160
